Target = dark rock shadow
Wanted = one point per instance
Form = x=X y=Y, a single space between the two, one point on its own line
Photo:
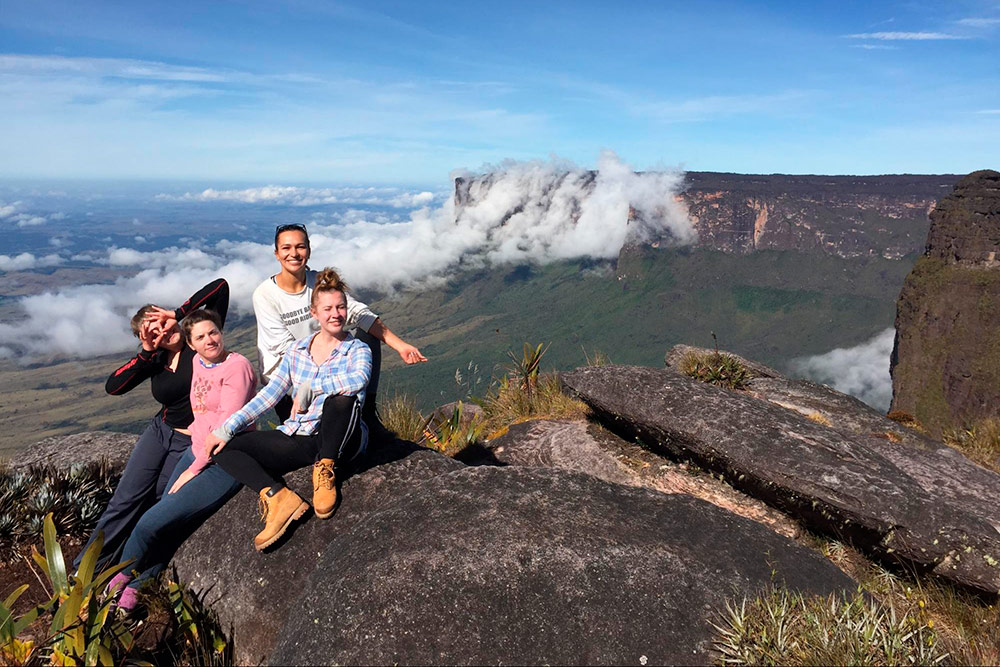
x=478 y=454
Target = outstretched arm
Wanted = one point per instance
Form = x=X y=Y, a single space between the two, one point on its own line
x=408 y=353
x=214 y=296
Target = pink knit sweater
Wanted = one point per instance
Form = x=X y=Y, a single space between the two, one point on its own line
x=216 y=393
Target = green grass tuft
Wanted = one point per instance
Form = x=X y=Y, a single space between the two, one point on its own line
x=782 y=627
x=980 y=442
x=718 y=368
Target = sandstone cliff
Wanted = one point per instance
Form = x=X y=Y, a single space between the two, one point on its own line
x=846 y=216
x=946 y=360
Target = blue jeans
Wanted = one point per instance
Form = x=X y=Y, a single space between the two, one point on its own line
x=165 y=526
x=143 y=481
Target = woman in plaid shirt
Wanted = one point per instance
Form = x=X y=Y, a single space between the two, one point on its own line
x=327 y=373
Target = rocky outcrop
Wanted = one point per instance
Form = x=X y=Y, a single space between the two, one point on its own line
x=64 y=450
x=946 y=360
x=588 y=448
x=536 y=566
x=896 y=502
x=847 y=216
x=428 y=561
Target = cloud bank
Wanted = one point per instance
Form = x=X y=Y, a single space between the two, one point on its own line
x=530 y=212
x=861 y=371
x=26 y=261
x=298 y=196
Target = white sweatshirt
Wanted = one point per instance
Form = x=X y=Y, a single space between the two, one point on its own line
x=283 y=318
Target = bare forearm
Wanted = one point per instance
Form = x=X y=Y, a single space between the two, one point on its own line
x=408 y=353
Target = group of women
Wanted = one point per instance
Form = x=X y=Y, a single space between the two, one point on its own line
x=202 y=446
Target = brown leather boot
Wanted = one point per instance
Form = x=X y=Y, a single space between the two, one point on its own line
x=278 y=511
x=324 y=489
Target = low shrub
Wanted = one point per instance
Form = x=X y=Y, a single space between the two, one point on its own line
x=781 y=627
x=77 y=624
x=717 y=368
x=966 y=626
x=508 y=403
x=453 y=434
x=400 y=415
x=74 y=496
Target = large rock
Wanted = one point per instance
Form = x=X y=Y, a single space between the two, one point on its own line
x=946 y=360
x=520 y=565
x=258 y=593
x=588 y=448
x=894 y=501
x=567 y=445
x=65 y=450
x=430 y=562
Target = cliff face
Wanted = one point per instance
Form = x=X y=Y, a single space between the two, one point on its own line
x=846 y=216
x=946 y=361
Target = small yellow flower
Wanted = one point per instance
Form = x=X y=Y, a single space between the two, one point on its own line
x=930 y=623
x=921 y=604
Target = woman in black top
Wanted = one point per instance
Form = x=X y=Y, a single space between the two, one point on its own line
x=166 y=361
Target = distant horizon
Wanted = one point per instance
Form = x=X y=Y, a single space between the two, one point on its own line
x=423 y=184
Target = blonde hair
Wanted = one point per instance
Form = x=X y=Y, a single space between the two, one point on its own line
x=328 y=280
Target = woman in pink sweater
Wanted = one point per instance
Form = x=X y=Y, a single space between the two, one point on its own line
x=221 y=383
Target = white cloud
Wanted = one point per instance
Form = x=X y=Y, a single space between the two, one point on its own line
x=26 y=261
x=905 y=36
x=861 y=371
x=7 y=210
x=875 y=47
x=988 y=112
x=298 y=196
x=976 y=22
x=521 y=212
x=113 y=67
x=27 y=220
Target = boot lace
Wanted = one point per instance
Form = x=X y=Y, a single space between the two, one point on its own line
x=325 y=476
x=262 y=508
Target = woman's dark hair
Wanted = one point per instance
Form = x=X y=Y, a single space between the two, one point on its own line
x=200 y=315
x=328 y=280
x=280 y=229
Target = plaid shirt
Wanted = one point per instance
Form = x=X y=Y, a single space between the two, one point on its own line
x=345 y=372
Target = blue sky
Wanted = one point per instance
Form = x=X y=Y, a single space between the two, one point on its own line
x=282 y=92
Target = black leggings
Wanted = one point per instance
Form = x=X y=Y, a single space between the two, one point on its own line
x=258 y=459
x=284 y=407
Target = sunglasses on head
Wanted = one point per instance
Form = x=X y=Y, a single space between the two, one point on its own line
x=290 y=228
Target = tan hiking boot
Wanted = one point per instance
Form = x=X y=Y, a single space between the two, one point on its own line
x=278 y=511
x=324 y=489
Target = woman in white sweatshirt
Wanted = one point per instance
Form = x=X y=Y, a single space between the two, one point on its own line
x=281 y=304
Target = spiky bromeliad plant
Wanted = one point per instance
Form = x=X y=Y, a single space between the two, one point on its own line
x=453 y=434
x=75 y=497
x=525 y=370
x=81 y=630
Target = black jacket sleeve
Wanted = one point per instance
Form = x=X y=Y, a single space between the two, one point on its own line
x=214 y=296
x=130 y=375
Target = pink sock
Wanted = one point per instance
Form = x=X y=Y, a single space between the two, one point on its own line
x=118 y=583
x=129 y=598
